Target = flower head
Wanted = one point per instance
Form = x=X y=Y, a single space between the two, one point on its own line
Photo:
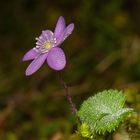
x=47 y=48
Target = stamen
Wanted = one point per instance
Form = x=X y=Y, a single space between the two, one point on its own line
x=42 y=39
x=54 y=40
x=47 y=45
x=38 y=39
x=39 y=43
x=37 y=47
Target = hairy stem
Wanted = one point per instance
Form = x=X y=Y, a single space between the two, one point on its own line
x=69 y=98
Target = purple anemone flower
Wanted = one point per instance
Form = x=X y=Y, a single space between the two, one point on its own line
x=47 y=48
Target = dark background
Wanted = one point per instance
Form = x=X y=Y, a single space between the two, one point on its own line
x=103 y=52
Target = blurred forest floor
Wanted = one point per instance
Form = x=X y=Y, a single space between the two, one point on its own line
x=103 y=52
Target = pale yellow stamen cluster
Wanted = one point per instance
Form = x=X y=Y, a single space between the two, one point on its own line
x=47 y=45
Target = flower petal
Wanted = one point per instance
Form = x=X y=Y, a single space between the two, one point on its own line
x=68 y=30
x=46 y=35
x=60 y=26
x=56 y=58
x=31 y=54
x=36 y=64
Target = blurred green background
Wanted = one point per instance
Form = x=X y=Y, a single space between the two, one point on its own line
x=103 y=52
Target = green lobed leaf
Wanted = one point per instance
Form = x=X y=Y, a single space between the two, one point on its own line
x=104 y=111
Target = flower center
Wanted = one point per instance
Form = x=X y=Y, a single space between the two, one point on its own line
x=47 y=45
